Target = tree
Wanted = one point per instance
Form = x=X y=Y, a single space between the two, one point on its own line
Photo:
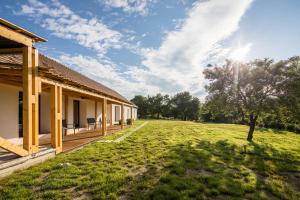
x=249 y=88
x=141 y=102
x=194 y=109
x=181 y=105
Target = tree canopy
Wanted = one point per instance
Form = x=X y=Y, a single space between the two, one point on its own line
x=253 y=91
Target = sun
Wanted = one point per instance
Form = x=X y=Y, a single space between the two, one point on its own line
x=240 y=53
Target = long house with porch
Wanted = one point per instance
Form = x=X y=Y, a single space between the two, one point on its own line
x=43 y=102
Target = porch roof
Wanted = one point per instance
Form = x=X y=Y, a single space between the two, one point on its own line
x=21 y=30
x=51 y=69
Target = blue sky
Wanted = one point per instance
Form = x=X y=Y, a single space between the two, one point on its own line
x=150 y=46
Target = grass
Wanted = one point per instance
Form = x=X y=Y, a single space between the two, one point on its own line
x=170 y=160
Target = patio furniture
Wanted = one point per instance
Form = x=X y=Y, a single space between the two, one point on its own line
x=66 y=126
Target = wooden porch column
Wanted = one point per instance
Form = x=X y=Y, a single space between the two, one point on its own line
x=66 y=108
x=131 y=115
x=56 y=118
x=111 y=114
x=35 y=100
x=66 y=112
x=122 y=116
x=96 y=114
x=104 y=114
x=27 y=99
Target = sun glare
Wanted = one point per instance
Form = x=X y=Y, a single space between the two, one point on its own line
x=240 y=53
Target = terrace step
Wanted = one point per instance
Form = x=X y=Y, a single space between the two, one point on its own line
x=17 y=163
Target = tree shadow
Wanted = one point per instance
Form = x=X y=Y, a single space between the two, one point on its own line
x=220 y=170
x=273 y=130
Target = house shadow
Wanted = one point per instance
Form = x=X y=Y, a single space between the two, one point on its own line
x=220 y=170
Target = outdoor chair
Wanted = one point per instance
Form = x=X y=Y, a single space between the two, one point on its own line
x=66 y=126
x=91 y=122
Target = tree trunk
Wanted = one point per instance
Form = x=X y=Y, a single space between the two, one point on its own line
x=158 y=115
x=252 y=126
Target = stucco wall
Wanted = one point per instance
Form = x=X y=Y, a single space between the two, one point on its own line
x=9 y=111
x=116 y=112
x=99 y=111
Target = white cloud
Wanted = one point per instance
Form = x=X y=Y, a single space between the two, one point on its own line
x=178 y=63
x=107 y=73
x=240 y=53
x=64 y=23
x=130 y=6
x=175 y=66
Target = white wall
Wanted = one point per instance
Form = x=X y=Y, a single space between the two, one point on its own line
x=134 y=112
x=116 y=114
x=9 y=111
x=99 y=111
x=87 y=110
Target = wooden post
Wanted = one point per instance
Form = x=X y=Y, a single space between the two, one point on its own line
x=131 y=115
x=104 y=114
x=27 y=99
x=66 y=111
x=122 y=116
x=35 y=98
x=56 y=118
x=111 y=114
x=66 y=108
x=96 y=114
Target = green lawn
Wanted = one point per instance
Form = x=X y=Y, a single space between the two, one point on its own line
x=170 y=160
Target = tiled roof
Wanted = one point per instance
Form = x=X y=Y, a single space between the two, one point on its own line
x=51 y=68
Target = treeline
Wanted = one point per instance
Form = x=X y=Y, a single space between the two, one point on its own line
x=182 y=106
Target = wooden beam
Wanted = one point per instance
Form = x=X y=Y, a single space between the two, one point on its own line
x=7 y=145
x=35 y=106
x=15 y=36
x=27 y=98
x=66 y=111
x=10 y=82
x=104 y=115
x=96 y=114
x=66 y=107
x=11 y=51
x=56 y=118
x=110 y=107
x=74 y=89
x=122 y=116
x=15 y=72
x=131 y=114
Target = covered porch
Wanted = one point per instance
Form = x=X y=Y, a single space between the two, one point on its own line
x=40 y=98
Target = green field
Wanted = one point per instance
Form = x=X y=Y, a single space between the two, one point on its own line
x=170 y=160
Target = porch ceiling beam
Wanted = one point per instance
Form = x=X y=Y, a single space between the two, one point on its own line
x=15 y=36
x=91 y=94
x=9 y=82
x=17 y=72
x=11 y=51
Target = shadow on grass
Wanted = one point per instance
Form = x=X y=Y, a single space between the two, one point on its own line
x=220 y=170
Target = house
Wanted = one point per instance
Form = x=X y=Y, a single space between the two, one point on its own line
x=45 y=102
